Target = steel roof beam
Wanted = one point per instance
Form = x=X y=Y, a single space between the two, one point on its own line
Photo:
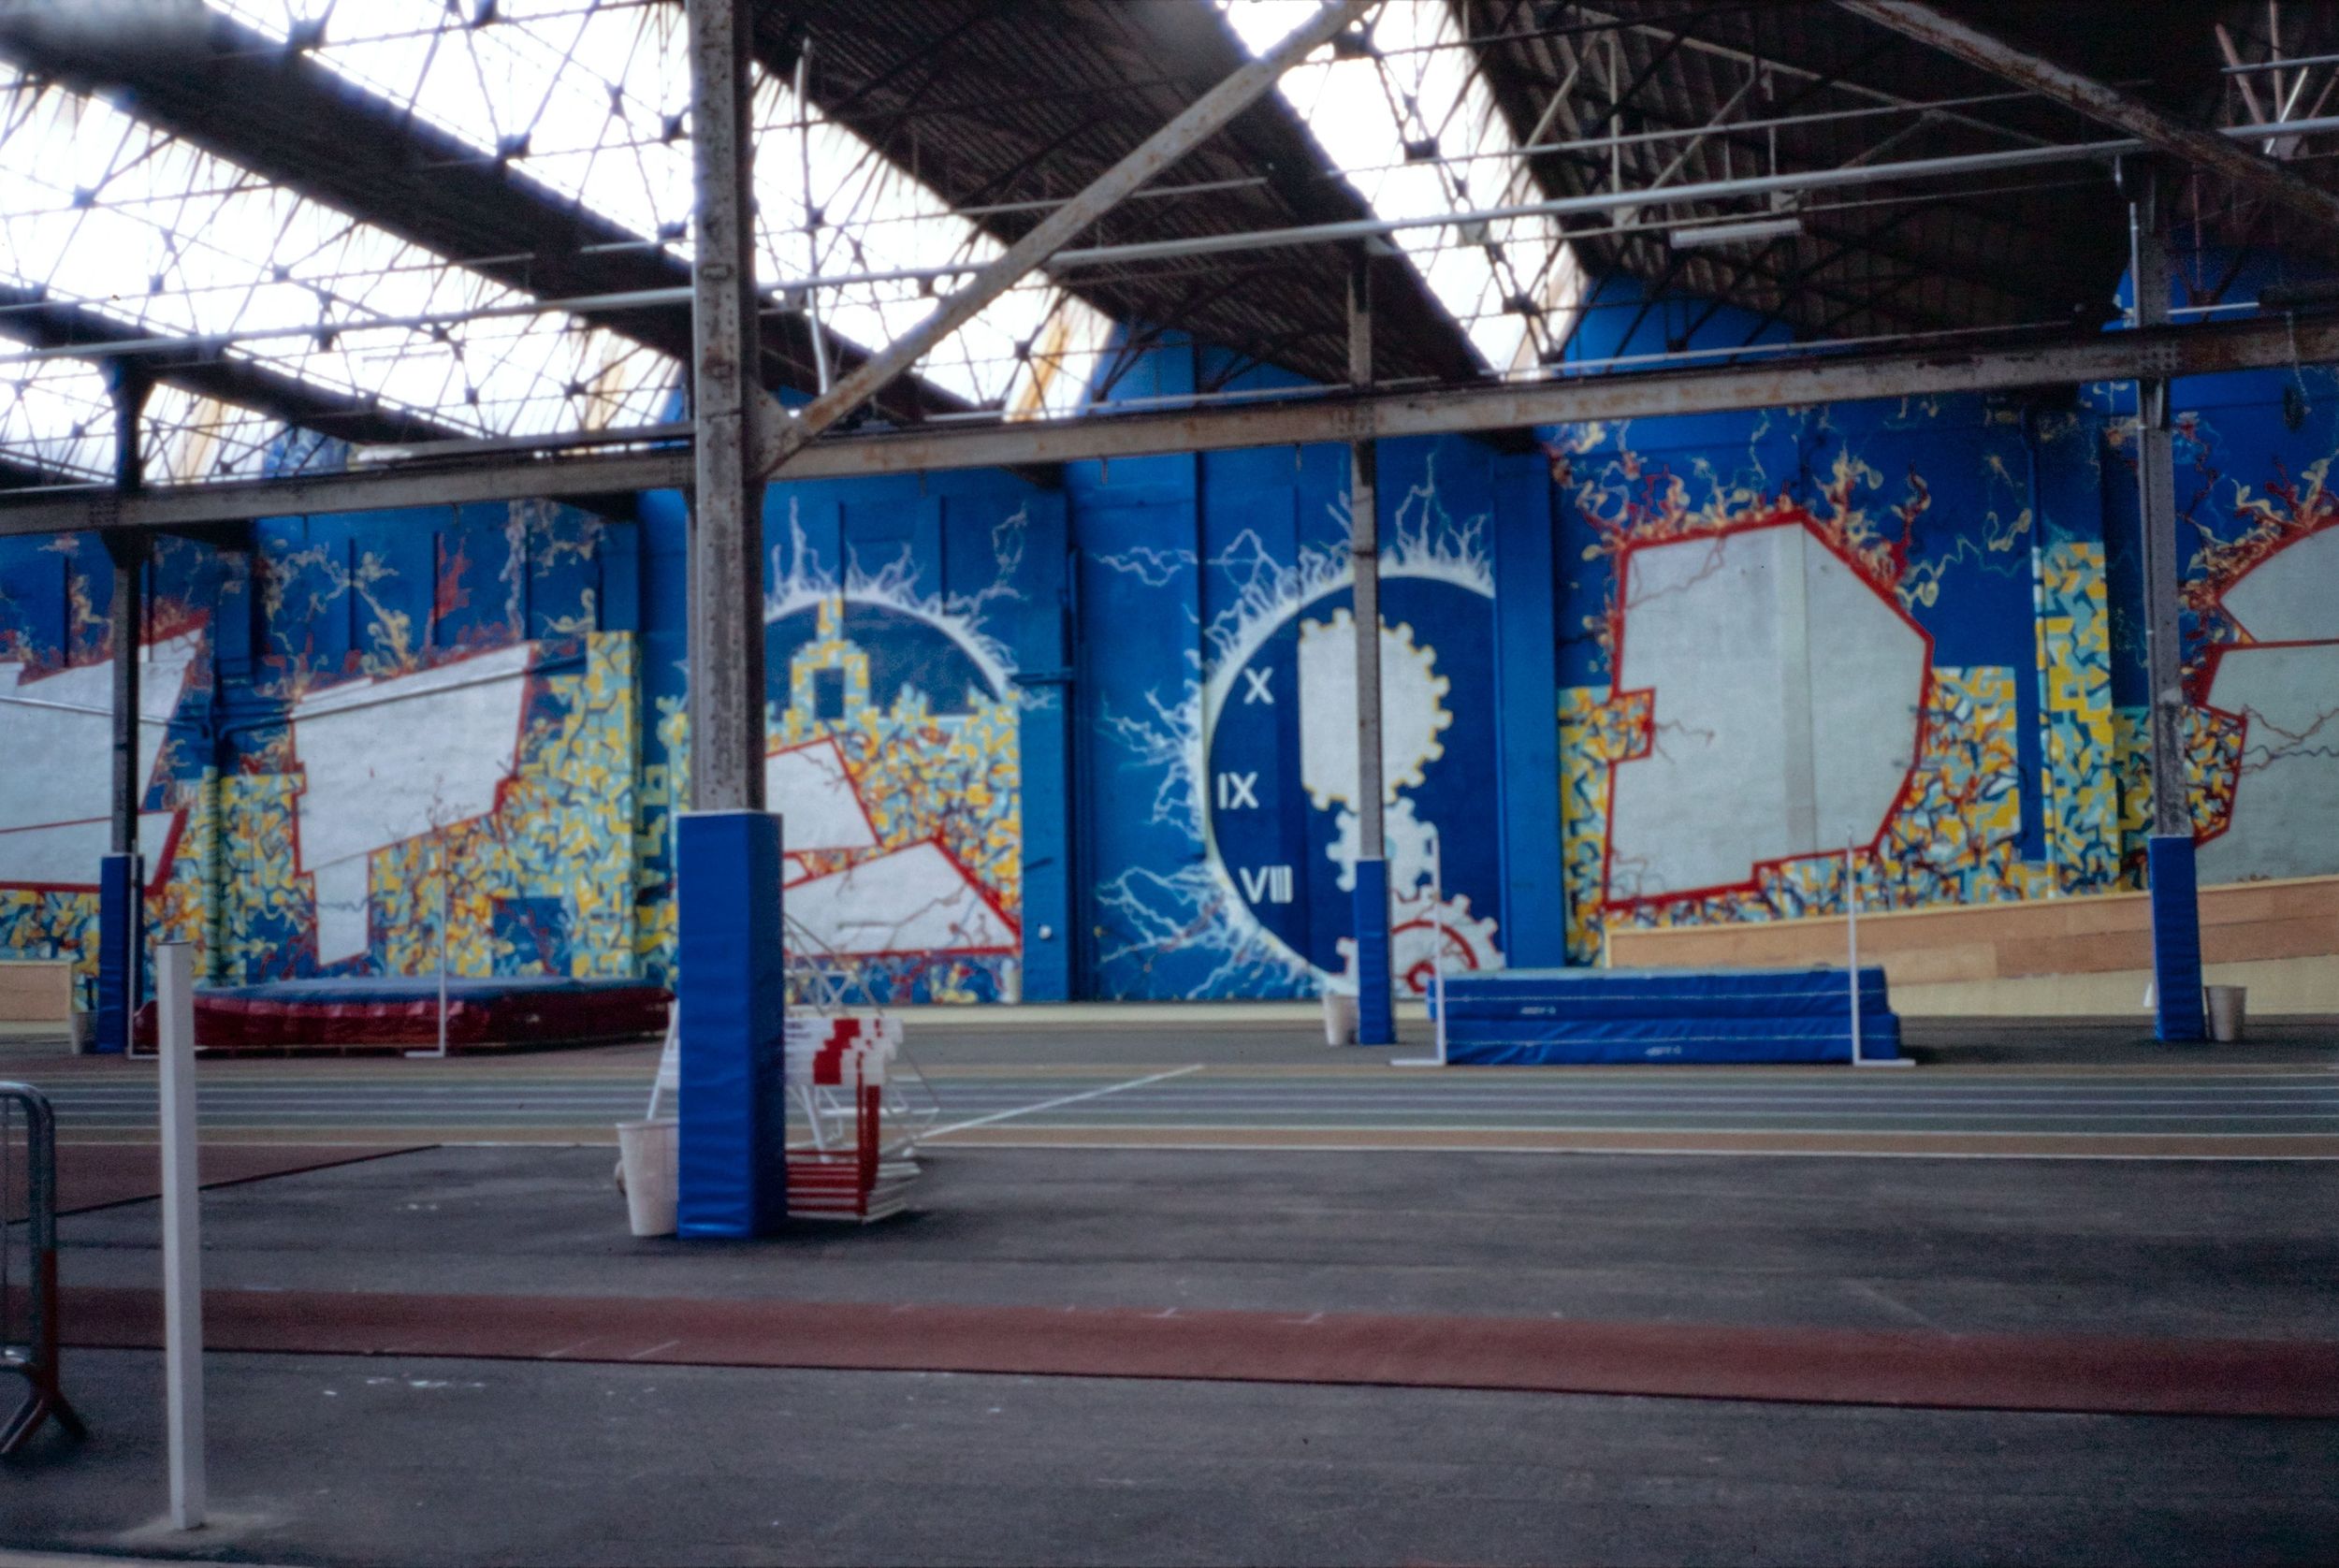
x=30 y=316
x=1198 y=122
x=2203 y=148
x=1794 y=379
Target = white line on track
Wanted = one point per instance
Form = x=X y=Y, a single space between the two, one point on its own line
x=1063 y=1099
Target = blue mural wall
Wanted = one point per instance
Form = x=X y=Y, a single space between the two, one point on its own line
x=1094 y=738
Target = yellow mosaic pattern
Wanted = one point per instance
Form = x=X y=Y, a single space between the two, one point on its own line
x=2079 y=798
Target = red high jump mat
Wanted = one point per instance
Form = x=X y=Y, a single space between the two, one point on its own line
x=399 y=1011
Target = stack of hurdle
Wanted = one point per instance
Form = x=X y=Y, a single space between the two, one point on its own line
x=1528 y=1016
x=837 y=1070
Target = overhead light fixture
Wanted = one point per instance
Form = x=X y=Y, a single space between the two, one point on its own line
x=1731 y=234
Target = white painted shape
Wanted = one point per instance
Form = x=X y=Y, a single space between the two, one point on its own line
x=386 y=761
x=1867 y=675
x=1712 y=799
x=66 y=854
x=914 y=899
x=1412 y=712
x=2292 y=596
x=343 y=895
x=1701 y=627
x=2285 y=803
x=66 y=719
x=811 y=788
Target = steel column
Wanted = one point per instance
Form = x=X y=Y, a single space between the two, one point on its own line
x=1200 y=120
x=127 y=551
x=726 y=621
x=2175 y=901
x=1375 y=1021
x=122 y=877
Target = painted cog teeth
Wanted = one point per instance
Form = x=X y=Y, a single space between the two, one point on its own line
x=1412 y=710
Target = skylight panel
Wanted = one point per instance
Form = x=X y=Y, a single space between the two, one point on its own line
x=1418 y=133
x=101 y=211
x=590 y=98
x=57 y=417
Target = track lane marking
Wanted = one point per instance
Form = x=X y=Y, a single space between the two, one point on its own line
x=1062 y=1099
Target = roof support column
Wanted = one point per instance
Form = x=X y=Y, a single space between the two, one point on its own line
x=2175 y=899
x=1376 y=1022
x=730 y=993
x=726 y=627
x=122 y=880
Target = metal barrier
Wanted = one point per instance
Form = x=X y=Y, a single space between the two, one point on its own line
x=28 y=1263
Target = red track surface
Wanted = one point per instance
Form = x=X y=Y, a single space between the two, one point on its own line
x=1822 y=1366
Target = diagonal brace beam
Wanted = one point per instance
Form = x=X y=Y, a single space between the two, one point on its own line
x=1197 y=124
x=2206 y=149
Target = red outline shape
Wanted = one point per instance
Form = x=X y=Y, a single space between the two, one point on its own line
x=852 y=787
x=526 y=676
x=1791 y=517
x=982 y=892
x=184 y=623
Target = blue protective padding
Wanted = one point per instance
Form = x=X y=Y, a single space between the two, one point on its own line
x=1376 y=1013
x=2175 y=937
x=1666 y=1015
x=1527 y=693
x=734 y=1134
x=120 y=913
x=1588 y=1051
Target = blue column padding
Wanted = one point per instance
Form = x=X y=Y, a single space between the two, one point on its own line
x=1043 y=656
x=2175 y=937
x=1533 y=915
x=734 y=1134
x=1376 y=1017
x=121 y=915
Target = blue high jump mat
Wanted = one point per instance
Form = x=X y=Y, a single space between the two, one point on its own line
x=1518 y=1017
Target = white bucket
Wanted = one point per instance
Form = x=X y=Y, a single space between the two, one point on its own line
x=648 y=1156
x=1340 y=1019
x=2227 y=1009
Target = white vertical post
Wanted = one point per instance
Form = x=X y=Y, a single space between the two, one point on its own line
x=183 y=1261
x=445 y=872
x=1851 y=942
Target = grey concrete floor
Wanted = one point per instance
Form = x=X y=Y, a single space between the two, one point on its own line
x=332 y=1460
x=2210 y=1248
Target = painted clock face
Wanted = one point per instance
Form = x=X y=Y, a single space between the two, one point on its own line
x=1281 y=769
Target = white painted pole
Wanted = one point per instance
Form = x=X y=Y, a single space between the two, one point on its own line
x=183 y=1261
x=1851 y=942
x=445 y=870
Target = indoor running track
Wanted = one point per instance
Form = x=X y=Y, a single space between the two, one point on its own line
x=2244 y=1112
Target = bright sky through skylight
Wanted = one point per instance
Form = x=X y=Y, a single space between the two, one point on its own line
x=590 y=98
x=101 y=209
x=1365 y=112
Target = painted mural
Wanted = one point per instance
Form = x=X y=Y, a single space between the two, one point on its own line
x=1095 y=737
x=1248 y=753
x=364 y=744
x=1789 y=712
x=893 y=723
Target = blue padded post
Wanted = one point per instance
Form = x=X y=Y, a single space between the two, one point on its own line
x=120 y=914
x=734 y=1132
x=2175 y=937
x=1376 y=1017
